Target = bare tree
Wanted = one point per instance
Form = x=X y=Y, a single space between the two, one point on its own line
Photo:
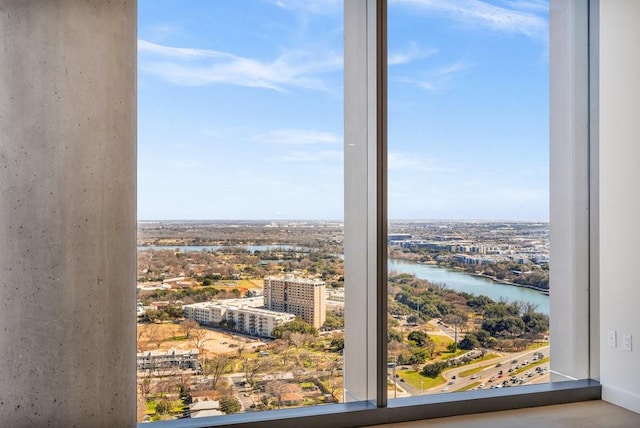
x=254 y=366
x=199 y=338
x=154 y=335
x=215 y=368
x=296 y=339
x=187 y=327
x=241 y=348
x=174 y=332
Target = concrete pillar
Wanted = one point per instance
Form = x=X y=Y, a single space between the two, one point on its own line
x=67 y=213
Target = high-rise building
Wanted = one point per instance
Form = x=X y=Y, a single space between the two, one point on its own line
x=300 y=296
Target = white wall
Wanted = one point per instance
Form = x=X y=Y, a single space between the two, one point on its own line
x=619 y=192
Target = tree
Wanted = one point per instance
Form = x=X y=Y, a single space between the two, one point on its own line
x=458 y=319
x=296 y=326
x=296 y=339
x=433 y=370
x=418 y=356
x=230 y=404
x=163 y=406
x=419 y=337
x=394 y=335
x=415 y=319
x=535 y=322
x=187 y=326
x=155 y=335
x=253 y=366
x=469 y=342
x=215 y=367
x=337 y=343
x=199 y=338
x=333 y=321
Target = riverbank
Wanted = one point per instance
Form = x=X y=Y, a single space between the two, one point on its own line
x=476 y=274
x=502 y=281
x=467 y=282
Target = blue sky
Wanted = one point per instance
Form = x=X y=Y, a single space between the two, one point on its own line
x=240 y=109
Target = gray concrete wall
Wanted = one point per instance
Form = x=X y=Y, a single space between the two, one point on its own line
x=67 y=213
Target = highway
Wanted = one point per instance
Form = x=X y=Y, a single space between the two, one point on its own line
x=497 y=371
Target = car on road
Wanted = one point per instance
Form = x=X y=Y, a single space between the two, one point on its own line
x=475 y=376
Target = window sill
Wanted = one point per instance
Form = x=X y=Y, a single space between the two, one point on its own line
x=404 y=409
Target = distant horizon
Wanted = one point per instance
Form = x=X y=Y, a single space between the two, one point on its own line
x=293 y=220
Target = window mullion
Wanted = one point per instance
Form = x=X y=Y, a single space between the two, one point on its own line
x=365 y=201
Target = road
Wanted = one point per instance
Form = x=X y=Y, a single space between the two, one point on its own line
x=490 y=372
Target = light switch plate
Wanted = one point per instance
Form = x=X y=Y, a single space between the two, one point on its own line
x=626 y=342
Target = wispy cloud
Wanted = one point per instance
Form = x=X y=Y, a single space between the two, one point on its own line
x=397 y=160
x=198 y=67
x=320 y=7
x=515 y=17
x=299 y=137
x=412 y=53
x=437 y=79
x=312 y=156
x=540 y=6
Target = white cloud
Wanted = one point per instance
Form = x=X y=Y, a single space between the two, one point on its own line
x=435 y=80
x=404 y=161
x=299 y=137
x=540 y=6
x=198 y=67
x=319 y=7
x=412 y=53
x=514 y=19
x=312 y=156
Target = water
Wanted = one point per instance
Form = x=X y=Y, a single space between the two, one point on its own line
x=250 y=248
x=460 y=281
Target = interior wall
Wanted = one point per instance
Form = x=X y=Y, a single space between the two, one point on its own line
x=619 y=210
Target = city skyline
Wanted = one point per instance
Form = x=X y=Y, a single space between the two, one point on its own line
x=240 y=110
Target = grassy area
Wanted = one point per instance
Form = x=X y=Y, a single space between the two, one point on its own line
x=469 y=372
x=475 y=370
x=177 y=407
x=537 y=345
x=250 y=283
x=468 y=387
x=486 y=357
x=441 y=342
x=529 y=366
x=448 y=355
x=418 y=381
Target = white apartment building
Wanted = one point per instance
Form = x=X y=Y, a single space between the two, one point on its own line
x=238 y=313
x=303 y=297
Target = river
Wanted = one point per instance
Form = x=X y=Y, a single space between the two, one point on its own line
x=460 y=281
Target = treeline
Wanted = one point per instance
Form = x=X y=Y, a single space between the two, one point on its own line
x=481 y=321
x=525 y=274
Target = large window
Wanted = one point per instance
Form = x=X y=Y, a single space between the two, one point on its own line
x=467 y=131
x=240 y=259
x=468 y=210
